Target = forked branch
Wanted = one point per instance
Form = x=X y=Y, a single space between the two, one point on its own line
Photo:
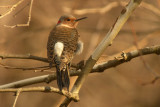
x=126 y=12
x=41 y=89
x=100 y=67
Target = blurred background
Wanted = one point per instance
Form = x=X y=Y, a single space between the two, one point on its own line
x=120 y=86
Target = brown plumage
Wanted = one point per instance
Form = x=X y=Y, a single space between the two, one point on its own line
x=61 y=47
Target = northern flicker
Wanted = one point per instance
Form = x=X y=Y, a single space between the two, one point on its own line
x=63 y=44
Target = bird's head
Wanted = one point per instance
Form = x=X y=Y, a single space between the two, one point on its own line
x=69 y=21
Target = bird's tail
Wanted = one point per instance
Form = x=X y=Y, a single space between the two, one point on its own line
x=63 y=77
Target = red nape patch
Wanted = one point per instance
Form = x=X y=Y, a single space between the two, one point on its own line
x=58 y=22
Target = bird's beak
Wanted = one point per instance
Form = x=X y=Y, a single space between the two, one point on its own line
x=80 y=19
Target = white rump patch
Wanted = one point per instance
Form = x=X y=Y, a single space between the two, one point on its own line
x=58 y=48
x=79 y=47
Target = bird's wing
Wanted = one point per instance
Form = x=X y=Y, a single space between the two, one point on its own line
x=79 y=47
x=69 y=38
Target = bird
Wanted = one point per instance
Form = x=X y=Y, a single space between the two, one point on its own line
x=63 y=44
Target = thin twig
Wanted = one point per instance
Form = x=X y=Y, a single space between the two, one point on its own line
x=29 y=19
x=21 y=9
x=28 y=56
x=18 y=91
x=23 y=68
x=41 y=89
x=136 y=44
x=11 y=9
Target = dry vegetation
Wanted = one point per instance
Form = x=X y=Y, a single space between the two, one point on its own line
x=24 y=29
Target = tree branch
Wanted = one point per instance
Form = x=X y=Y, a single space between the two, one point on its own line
x=126 y=12
x=29 y=18
x=125 y=57
x=41 y=89
x=30 y=81
x=17 y=95
x=120 y=59
x=42 y=68
x=29 y=56
x=11 y=9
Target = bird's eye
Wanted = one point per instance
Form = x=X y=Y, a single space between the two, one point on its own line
x=68 y=19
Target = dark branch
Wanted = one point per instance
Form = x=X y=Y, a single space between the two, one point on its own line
x=24 y=57
x=124 y=57
x=29 y=56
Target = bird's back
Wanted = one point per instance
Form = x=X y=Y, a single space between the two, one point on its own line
x=69 y=37
x=61 y=47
